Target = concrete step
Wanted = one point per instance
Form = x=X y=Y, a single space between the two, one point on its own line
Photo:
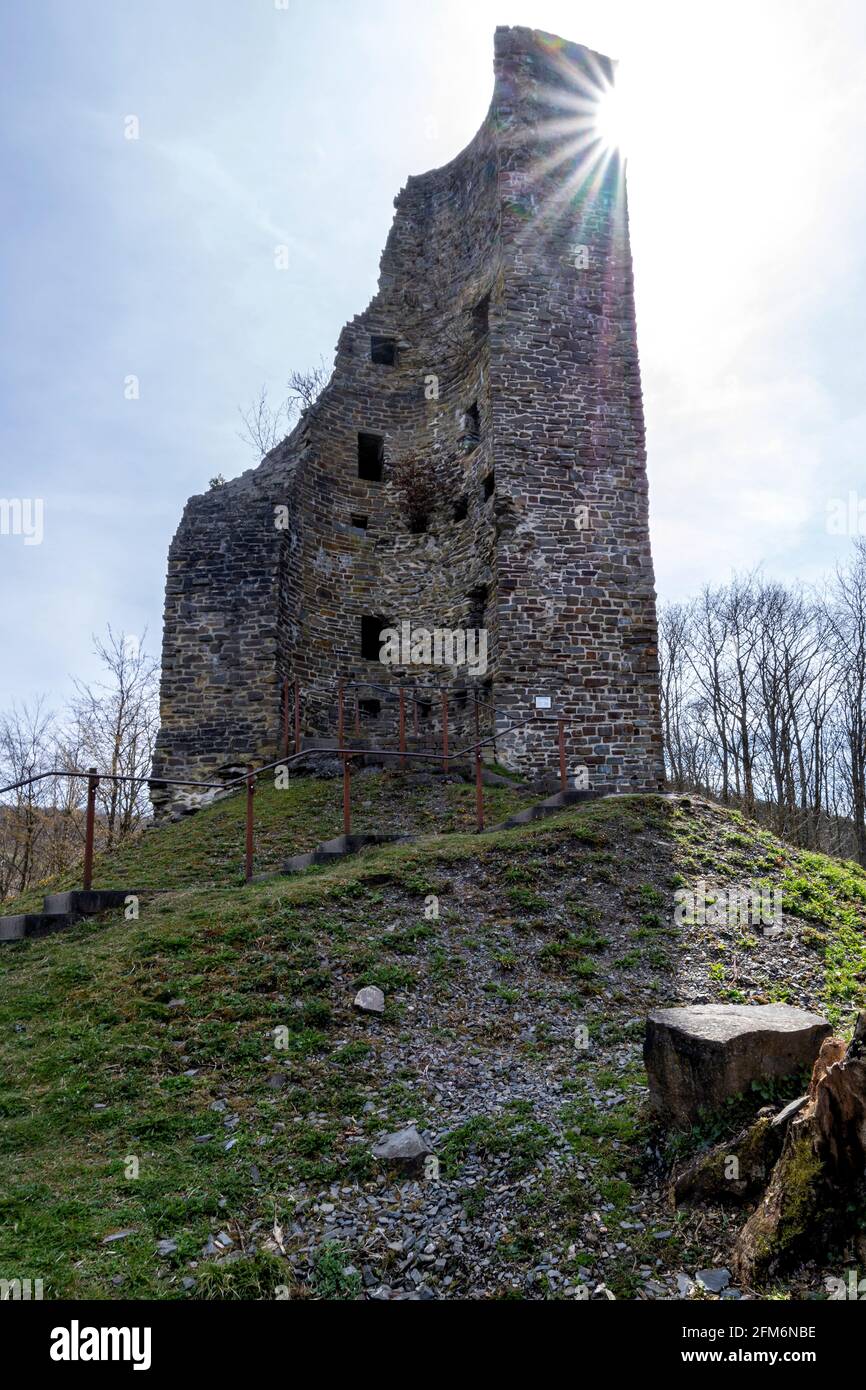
x=87 y=904
x=62 y=910
x=27 y=924
x=330 y=851
x=548 y=807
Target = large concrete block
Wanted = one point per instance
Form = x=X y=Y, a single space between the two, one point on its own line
x=698 y=1056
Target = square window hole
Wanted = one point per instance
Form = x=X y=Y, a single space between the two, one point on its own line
x=489 y=486
x=371 y=643
x=359 y=522
x=371 y=456
x=369 y=709
x=383 y=351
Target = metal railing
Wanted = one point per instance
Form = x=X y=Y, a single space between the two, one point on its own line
x=446 y=756
x=417 y=694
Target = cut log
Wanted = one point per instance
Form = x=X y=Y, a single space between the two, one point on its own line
x=819 y=1176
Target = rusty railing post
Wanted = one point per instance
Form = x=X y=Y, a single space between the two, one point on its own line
x=90 y=825
x=347 y=798
x=479 y=786
x=402 y=728
x=415 y=715
x=297 y=715
x=285 y=716
x=340 y=701
x=248 y=856
x=445 y=730
x=563 y=779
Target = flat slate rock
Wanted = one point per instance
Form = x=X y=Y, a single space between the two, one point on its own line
x=697 y=1057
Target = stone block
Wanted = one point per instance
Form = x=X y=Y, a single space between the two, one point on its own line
x=697 y=1057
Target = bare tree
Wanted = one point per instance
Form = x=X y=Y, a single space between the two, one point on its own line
x=848 y=622
x=764 y=703
x=115 y=724
x=265 y=425
x=25 y=752
x=304 y=388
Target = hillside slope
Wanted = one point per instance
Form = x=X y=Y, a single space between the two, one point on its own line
x=145 y=1092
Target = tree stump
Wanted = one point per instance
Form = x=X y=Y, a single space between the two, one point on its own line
x=735 y=1170
x=820 y=1172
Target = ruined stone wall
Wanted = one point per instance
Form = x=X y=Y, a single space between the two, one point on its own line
x=434 y=271
x=576 y=606
x=488 y=306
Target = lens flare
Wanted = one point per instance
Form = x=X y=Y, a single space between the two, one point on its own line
x=611 y=119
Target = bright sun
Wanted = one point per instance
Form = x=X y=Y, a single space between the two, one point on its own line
x=611 y=119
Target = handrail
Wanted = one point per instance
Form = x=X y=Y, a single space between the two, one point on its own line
x=248 y=778
x=109 y=777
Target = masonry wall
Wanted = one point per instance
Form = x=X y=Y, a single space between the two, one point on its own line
x=576 y=607
x=481 y=292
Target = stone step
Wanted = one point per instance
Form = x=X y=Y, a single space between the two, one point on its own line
x=26 y=924
x=332 y=850
x=548 y=807
x=62 y=910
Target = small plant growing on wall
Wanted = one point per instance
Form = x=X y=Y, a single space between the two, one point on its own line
x=417 y=482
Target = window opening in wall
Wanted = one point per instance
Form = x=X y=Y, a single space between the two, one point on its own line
x=470 y=429
x=477 y=606
x=359 y=522
x=489 y=486
x=424 y=708
x=369 y=709
x=461 y=508
x=383 y=351
x=371 y=643
x=371 y=456
x=481 y=315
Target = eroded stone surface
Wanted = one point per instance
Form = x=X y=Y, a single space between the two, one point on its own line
x=698 y=1056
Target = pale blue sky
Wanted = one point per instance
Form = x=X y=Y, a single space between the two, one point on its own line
x=262 y=126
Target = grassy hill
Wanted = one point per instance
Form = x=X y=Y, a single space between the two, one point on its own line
x=146 y=1092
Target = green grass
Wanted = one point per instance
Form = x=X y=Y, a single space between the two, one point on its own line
x=249 y=990
x=833 y=894
x=514 y=1134
x=208 y=848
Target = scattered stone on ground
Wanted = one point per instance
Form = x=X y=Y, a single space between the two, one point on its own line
x=370 y=1000
x=405 y=1148
x=713 y=1280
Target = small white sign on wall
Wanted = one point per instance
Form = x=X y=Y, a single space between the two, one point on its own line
x=542 y=702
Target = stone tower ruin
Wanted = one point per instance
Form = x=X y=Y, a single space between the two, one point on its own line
x=477 y=461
